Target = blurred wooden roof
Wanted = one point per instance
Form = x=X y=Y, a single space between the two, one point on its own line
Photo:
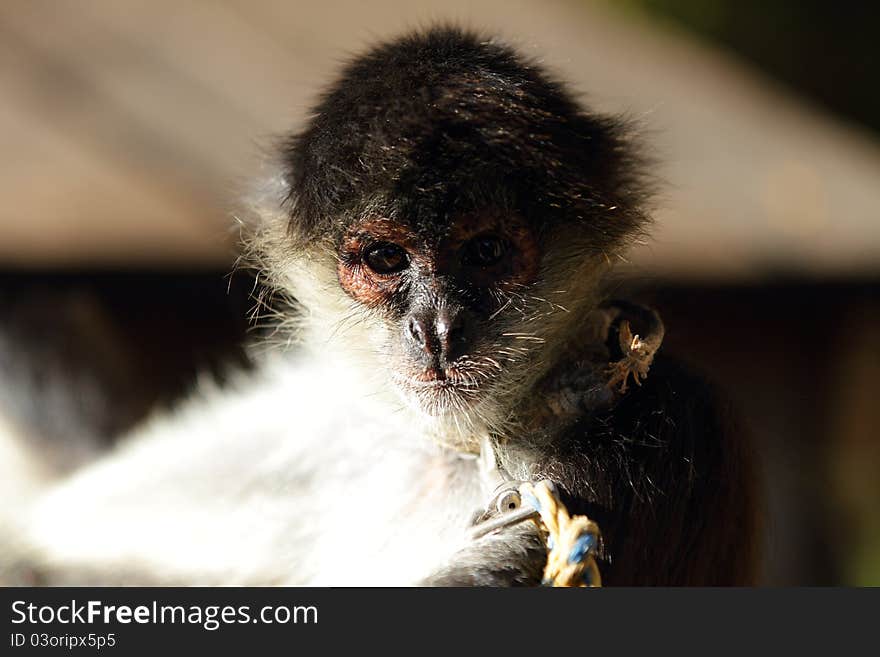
x=126 y=129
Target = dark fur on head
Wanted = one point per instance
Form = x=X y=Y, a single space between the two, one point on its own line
x=445 y=122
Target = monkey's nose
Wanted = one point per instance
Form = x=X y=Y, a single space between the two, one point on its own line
x=437 y=335
x=448 y=326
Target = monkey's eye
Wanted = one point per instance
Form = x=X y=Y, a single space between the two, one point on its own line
x=386 y=258
x=484 y=251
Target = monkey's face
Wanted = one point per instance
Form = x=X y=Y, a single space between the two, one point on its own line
x=444 y=302
x=467 y=198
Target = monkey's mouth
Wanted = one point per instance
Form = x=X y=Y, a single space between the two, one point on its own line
x=438 y=388
x=444 y=379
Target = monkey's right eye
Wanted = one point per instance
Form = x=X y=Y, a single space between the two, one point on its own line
x=386 y=258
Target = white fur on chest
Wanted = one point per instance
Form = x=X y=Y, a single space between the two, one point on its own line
x=293 y=479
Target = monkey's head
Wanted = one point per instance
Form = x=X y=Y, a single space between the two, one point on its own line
x=448 y=209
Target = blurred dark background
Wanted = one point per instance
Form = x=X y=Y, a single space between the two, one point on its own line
x=129 y=127
x=826 y=51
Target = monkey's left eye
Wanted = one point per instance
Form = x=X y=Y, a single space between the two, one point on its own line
x=386 y=258
x=484 y=251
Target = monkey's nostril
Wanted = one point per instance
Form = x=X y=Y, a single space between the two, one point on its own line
x=416 y=331
x=450 y=329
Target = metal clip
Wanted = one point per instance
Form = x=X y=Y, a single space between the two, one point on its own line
x=507 y=502
x=503 y=521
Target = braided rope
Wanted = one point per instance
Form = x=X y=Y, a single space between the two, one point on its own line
x=572 y=540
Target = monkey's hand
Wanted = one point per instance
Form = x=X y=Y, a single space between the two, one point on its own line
x=622 y=340
x=637 y=350
x=638 y=355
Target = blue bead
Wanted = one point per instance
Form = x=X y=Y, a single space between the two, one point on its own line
x=582 y=547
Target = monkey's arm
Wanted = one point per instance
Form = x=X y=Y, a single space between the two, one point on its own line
x=515 y=557
x=666 y=477
x=669 y=479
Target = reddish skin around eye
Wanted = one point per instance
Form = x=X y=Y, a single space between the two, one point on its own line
x=359 y=281
x=372 y=289
x=525 y=252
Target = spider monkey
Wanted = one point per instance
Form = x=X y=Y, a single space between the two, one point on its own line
x=441 y=227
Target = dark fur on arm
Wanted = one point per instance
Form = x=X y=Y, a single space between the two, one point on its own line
x=515 y=557
x=668 y=476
